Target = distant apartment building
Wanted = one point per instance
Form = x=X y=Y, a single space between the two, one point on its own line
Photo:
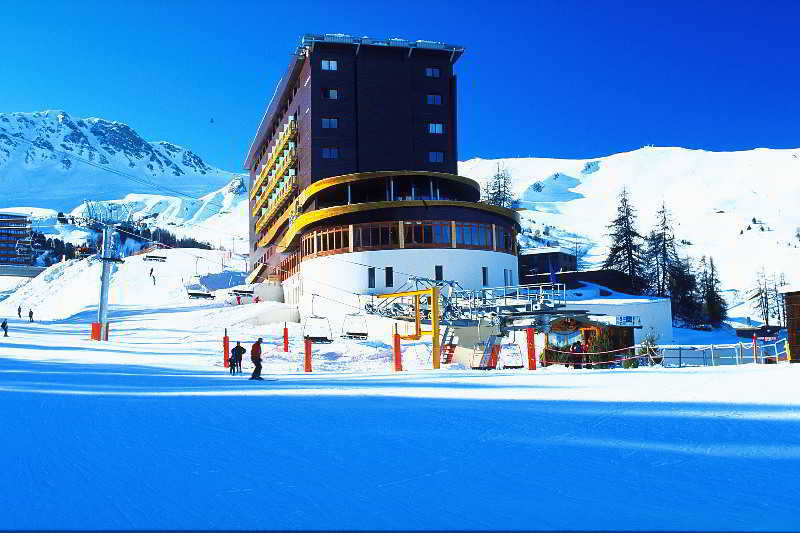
x=15 y=239
x=353 y=175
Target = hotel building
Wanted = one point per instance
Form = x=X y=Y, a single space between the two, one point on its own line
x=353 y=175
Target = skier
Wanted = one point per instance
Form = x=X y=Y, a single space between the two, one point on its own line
x=239 y=360
x=4 y=327
x=151 y=272
x=19 y=311
x=30 y=315
x=236 y=358
x=255 y=356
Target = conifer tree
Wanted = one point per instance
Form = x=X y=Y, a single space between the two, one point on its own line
x=661 y=253
x=684 y=291
x=626 y=251
x=498 y=189
x=760 y=294
x=715 y=310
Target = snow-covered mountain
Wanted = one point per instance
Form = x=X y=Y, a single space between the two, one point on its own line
x=219 y=217
x=714 y=198
x=41 y=153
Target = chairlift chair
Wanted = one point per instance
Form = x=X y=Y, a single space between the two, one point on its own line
x=318 y=329
x=354 y=326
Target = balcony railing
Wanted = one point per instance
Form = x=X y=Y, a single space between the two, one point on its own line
x=284 y=194
x=289 y=161
x=288 y=134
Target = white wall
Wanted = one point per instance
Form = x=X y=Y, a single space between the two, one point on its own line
x=336 y=278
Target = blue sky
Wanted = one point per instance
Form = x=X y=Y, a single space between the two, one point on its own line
x=565 y=79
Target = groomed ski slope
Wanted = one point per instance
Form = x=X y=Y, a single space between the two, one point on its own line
x=148 y=431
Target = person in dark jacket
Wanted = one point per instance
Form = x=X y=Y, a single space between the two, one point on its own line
x=19 y=311
x=30 y=315
x=4 y=327
x=255 y=356
x=236 y=358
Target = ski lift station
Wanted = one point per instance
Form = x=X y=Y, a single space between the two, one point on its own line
x=354 y=192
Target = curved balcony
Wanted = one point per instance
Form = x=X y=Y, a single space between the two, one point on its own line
x=373 y=210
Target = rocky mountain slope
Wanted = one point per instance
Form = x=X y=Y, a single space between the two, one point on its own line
x=50 y=159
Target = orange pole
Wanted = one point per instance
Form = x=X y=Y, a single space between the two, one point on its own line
x=285 y=338
x=308 y=356
x=493 y=356
x=397 y=355
x=530 y=332
x=225 y=352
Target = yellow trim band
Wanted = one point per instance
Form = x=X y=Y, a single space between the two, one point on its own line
x=311 y=217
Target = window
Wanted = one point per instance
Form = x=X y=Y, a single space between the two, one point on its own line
x=436 y=127
x=330 y=123
x=432 y=72
x=505 y=277
x=371 y=277
x=389 y=277
x=330 y=152
x=436 y=157
x=422 y=234
x=330 y=64
x=330 y=94
x=485 y=276
x=434 y=99
x=473 y=235
x=439 y=273
x=382 y=235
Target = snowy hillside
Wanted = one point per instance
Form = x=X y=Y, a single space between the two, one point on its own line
x=219 y=218
x=71 y=289
x=713 y=196
x=34 y=170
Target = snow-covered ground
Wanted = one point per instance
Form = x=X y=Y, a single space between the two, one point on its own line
x=149 y=431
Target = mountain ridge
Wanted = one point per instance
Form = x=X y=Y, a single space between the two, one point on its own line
x=36 y=146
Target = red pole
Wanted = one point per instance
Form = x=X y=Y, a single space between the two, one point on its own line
x=493 y=356
x=397 y=355
x=755 y=360
x=285 y=338
x=531 y=348
x=225 y=345
x=308 y=356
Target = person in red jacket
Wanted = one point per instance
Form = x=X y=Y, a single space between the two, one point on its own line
x=255 y=356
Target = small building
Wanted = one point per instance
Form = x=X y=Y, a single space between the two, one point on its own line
x=534 y=261
x=649 y=315
x=15 y=240
x=792 y=296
